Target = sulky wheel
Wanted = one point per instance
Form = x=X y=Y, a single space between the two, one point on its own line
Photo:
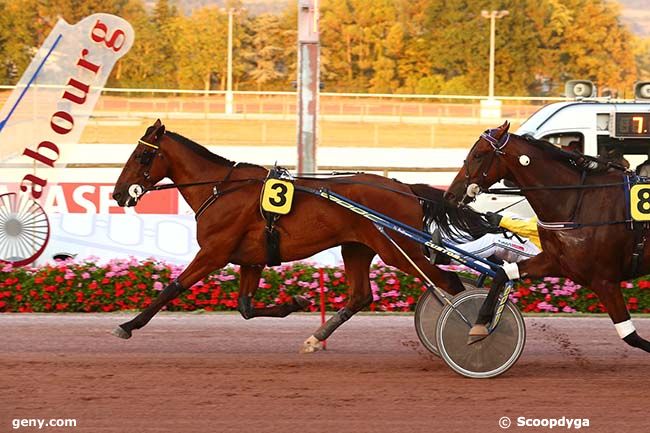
x=24 y=229
x=486 y=358
x=427 y=312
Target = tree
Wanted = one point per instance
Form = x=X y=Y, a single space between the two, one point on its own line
x=200 y=46
x=265 y=51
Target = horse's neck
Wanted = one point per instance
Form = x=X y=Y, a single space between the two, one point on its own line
x=552 y=205
x=187 y=167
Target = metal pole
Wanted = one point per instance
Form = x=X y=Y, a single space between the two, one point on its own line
x=229 y=96
x=492 y=15
x=492 y=22
x=308 y=84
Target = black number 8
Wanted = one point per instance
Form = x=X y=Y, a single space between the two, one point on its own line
x=643 y=206
x=281 y=195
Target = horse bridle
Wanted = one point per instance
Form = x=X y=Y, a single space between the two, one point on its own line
x=147 y=156
x=498 y=144
x=146 y=160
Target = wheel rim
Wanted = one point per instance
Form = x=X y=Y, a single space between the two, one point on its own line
x=24 y=229
x=426 y=317
x=489 y=357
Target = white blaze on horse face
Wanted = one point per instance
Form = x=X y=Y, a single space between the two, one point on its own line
x=473 y=190
x=524 y=160
x=135 y=191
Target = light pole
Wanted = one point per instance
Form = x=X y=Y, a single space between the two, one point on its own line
x=229 y=97
x=492 y=15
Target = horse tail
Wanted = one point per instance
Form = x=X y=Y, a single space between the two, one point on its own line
x=460 y=224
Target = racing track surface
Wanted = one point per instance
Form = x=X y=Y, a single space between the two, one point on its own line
x=219 y=373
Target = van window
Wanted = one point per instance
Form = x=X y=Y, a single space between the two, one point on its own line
x=571 y=141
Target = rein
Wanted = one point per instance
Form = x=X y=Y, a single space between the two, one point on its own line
x=517 y=190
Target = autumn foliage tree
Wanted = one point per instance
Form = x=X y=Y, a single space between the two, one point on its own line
x=380 y=46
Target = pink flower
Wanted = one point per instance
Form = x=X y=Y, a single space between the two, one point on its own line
x=157 y=285
x=85 y=275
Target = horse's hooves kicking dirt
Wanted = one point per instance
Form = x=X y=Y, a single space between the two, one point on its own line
x=311 y=345
x=121 y=333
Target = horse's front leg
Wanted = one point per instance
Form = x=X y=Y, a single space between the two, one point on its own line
x=611 y=296
x=201 y=266
x=248 y=284
x=539 y=266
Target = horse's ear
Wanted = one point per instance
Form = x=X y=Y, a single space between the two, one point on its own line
x=503 y=129
x=158 y=130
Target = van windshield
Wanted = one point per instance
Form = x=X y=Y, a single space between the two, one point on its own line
x=532 y=124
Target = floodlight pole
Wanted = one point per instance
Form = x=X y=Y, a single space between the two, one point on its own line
x=307 y=84
x=229 y=95
x=492 y=15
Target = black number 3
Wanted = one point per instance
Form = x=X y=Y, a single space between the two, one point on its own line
x=280 y=198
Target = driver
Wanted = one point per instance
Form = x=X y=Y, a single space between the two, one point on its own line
x=519 y=242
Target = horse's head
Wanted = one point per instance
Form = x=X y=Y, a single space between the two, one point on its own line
x=146 y=166
x=483 y=166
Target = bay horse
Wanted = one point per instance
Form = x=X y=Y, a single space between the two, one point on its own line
x=231 y=229
x=583 y=220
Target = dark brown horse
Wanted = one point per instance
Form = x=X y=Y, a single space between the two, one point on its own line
x=231 y=229
x=584 y=232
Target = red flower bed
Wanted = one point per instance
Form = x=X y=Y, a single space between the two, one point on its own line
x=131 y=285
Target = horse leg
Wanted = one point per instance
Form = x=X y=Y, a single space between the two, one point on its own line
x=538 y=266
x=248 y=284
x=357 y=259
x=202 y=264
x=611 y=296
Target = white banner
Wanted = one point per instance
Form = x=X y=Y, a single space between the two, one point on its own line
x=53 y=100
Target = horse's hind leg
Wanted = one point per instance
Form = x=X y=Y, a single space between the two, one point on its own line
x=357 y=259
x=248 y=284
x=202 y=264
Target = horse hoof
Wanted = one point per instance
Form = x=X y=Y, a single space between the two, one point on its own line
x=311 y=345
x=302 y=302
x=121 y=333
x=477 y=333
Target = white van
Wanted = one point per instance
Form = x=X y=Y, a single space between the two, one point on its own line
x=593 y=127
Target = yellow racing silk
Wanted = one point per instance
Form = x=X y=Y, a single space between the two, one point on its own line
x=526 y=228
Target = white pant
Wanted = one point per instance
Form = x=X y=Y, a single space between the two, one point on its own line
x=504 y=246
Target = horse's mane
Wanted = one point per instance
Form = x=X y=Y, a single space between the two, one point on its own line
x=554 y=152
x=459 y=224
x=205 y=153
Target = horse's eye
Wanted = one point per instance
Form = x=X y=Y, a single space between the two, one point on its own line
x=478 y=156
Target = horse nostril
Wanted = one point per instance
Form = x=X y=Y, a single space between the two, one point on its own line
x=117 y=196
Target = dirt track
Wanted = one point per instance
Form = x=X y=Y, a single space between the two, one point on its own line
x=217 y=373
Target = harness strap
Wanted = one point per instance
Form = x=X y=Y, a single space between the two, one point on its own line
x=639 y=247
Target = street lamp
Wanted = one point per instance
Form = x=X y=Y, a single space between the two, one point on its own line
x=492 y=15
